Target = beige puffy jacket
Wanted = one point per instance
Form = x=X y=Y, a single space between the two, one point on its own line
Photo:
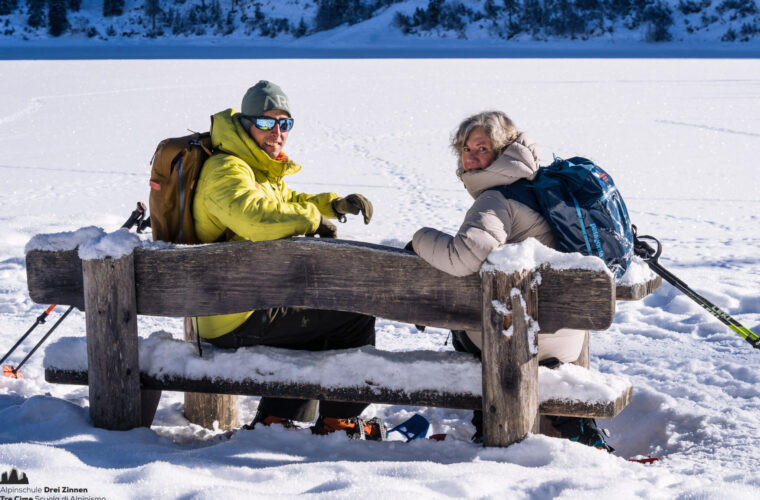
x=491 y=222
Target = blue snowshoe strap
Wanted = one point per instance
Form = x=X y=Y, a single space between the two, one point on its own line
x=413 y=428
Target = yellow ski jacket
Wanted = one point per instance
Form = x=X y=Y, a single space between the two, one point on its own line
x=243 y=189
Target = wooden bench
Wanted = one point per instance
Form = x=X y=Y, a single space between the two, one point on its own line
x=382 y=281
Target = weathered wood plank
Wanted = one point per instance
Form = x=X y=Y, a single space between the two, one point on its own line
x=365 y=394
x=328 y=274
x=510 y=364
x=112 y=352
x=589 y=409
x=368 y=394
x=576 y=296
x=308 y=272
x=638 y=291
x=55 y=278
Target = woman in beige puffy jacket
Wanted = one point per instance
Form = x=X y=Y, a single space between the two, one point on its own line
x=491 y=152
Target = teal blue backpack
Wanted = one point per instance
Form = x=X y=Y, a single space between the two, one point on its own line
x=584 y=208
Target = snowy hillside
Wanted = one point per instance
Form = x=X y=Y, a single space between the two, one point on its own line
x=368 y=22
x=680 y=137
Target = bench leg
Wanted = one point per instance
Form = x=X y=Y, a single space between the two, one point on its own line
x=510 y=363
x=112 y=353
x=148 y=404
x=205 y=409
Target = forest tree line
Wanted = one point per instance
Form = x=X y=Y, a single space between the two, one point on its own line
x=506 y=19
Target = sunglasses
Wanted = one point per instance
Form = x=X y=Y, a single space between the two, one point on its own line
x=267 y=123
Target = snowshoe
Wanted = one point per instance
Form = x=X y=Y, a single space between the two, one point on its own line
x=648 y=460
x=354 y=427
x=582 y=430
x=268 y=420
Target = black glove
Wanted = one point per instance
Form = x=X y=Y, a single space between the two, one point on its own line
x=352 y=204
x=326 y=229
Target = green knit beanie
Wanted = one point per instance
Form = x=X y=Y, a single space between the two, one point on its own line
x=264 y=96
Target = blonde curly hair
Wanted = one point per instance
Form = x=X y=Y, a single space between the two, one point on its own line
x=499 y=128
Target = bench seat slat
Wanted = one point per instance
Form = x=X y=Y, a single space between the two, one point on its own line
x=377 y=395
x=65 y=362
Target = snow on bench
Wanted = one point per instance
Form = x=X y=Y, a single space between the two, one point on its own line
x=524 y=289
x=420 y=378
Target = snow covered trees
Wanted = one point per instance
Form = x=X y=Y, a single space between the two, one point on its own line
x=113 y=7
x=57 y=21
x=7 y=6
x=152 y=8
x=648 y=20
x=543 y=19
x=36 y=13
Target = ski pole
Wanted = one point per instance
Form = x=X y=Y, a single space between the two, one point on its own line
x=40 y=319
x=42 y=340
x=724 y=317
x=650 y=256
x=137 y=217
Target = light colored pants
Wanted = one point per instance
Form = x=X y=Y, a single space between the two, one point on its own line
x=565 y=344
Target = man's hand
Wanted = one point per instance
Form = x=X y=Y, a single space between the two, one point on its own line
x=326 y=229
x=352 y=204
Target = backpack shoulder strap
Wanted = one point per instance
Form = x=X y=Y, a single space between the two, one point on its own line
x=204 y=141
x=521 y=191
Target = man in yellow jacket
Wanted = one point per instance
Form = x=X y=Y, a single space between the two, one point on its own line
x=241 y=189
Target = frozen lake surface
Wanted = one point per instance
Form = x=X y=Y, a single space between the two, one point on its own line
x=680 y=136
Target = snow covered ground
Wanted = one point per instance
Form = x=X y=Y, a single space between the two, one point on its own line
x=680 y=137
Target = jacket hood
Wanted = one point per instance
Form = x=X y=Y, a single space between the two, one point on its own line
x=228 y=135
x=519 y=161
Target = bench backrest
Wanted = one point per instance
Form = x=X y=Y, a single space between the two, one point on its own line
x=326 y=274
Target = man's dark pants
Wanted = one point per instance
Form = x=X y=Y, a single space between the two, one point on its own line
x=306 y=329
